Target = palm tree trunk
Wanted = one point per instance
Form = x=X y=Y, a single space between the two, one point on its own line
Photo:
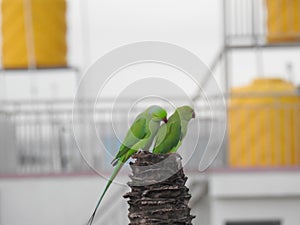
x=158 y=192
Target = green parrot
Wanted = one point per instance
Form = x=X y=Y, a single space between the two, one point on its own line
x=139 y=136
x=170 y=135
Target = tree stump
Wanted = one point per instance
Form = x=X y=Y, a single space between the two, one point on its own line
x=158 y=192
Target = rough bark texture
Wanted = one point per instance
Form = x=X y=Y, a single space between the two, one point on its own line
x=158 y=192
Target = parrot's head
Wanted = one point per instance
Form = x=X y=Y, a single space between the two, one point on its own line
x=186 y=113
x=157 y=113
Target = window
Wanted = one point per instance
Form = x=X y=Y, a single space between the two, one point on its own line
x=270 y=222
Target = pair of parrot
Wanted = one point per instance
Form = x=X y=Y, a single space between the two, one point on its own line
x=142 y=132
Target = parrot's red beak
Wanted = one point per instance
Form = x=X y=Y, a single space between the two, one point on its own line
x=194 y=115
x=165 y=120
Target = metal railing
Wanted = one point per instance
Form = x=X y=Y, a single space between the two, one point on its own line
x=37 y=137
x=247 y=22
x=244 y=21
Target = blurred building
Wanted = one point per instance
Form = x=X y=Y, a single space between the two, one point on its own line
x=44 y=178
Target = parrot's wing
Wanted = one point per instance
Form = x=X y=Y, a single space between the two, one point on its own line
x=171 y=137
x=174 y=149
x=165 y=128
x=161 y=135
x=137 y=131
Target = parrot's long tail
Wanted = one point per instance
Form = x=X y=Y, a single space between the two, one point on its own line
x=113 y=176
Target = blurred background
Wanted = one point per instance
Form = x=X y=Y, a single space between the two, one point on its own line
x=251 y=46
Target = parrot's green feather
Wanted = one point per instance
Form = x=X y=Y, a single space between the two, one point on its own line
x=137 y=131
x=162 y=132
x=167 y=140
x=139 y=136
x=169 y=137
x=139 y=128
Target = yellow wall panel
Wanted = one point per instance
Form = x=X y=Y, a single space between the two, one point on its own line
x=283 y=20
x=264 y=124
x=34 y=33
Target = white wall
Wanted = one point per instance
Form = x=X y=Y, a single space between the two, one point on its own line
x=233 y=196
x=71 y=200
x=37 y=84
x=285 y=210
x=255 y=196
x=56 y=200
